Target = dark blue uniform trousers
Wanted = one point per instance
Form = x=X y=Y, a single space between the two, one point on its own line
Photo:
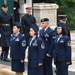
x=47 y=66
x=62 y=68
x=35 y=71
x=4 y=53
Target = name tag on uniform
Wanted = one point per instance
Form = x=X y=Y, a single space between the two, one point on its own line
x=35 y=43
x=17 y=39
x=61 y=41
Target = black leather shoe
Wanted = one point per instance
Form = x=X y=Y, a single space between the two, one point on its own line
x=7 y=60
x=1 y=57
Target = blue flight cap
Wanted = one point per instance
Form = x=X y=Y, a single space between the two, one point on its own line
x=44 y=19
x=17 y=24
x=35 y=27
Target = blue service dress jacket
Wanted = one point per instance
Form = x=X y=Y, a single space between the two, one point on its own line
x=48 y=36
x=18 y=47
x=62 y=48
x=35 y=52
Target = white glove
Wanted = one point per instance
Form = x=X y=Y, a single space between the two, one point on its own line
x=0 y=35
x=14 y=8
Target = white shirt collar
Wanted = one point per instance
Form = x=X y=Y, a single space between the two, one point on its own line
x=60 y=35
x=46 y=28
x=33 y=37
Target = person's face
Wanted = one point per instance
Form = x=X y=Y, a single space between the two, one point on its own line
x=45 y=24
x=15 y=30
x=14 y=0
x=28 y=11
x=5 y=9
x=32 y=32
x=63 y=21
x=59 y=30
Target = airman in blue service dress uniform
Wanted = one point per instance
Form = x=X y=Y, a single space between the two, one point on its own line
x=48 y=35
x=62 y=51
x=35 y=52
x=17 y=49
x=62 y=22
x=26 y=21
x=5 y=31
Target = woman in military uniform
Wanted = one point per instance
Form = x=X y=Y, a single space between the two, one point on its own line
x=35 y=52
x=17 y=49
x=62 y=51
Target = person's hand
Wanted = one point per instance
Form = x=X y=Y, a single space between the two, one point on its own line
x=40 y=64
x=48 y=55
x=67 y=63
x=0 y=35
x=22 y=61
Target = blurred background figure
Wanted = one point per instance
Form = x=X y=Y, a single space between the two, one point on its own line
x=62 y=20
x=27 y=20
x=16 y=12
x=5 y=31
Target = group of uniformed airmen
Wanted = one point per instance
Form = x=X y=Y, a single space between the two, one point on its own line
x=41 y=49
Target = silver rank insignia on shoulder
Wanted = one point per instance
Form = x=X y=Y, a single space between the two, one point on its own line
x=23 y=43
x=69 y=43
x=43 y=46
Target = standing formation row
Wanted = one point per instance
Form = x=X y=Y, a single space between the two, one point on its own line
x=42 y=48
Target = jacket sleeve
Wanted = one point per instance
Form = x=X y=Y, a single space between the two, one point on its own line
x=68 y=50
x=52 y=39
x=22 y=22
x=11 y=22
x=35 y=20
x=41 y=50
x=22 y=47
x=0 y=23
x=51 y=49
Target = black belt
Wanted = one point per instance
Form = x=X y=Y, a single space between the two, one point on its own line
x=5 y=24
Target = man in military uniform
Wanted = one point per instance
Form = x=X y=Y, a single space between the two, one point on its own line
x=5 y=31
x=48 y=35
x=27 y=20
